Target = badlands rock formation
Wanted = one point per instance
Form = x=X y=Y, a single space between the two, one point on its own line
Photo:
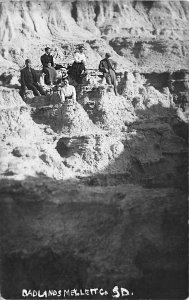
x=94 y=193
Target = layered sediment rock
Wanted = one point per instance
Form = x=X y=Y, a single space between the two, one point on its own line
x=23 y=142
x=155 y=32
x=121 y=134
x=142 y=18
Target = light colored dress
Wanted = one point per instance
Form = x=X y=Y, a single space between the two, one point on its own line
x=79 y=57
x=68 y=93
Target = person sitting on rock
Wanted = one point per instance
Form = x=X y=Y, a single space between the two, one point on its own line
x=29 y=80
x=78 y=71
x=48 y=67
x=47 y=58
x=50 y=75
x=67 y=91
x=106 y=66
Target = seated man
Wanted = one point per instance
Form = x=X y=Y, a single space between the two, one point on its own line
x=107 y=68
x=29 y=80
x=67 y=92
x=77 y=71
x=48 y=58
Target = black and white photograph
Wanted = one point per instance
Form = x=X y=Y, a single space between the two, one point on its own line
x=94 y=110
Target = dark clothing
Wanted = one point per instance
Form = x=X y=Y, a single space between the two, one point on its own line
x=37 y=89
x=107 y=68
x=58 y=67
x=46 y=59
x=50 y=75
x=28 y=76
x=110 y=77
x=77 y=71
x=29 y=80
x=107 y=64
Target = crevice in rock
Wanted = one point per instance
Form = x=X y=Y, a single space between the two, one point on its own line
x=158 y=80
x=116 y=8
x=74 y=11
x=147 y=4
x=62 y=147
x=96 y=11
x=133 y=3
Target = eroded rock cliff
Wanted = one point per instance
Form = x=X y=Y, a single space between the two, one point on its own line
x=146 y=32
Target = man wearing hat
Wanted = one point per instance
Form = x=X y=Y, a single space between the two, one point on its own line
x=29 y=80
x=106 y=66
x=47 y=58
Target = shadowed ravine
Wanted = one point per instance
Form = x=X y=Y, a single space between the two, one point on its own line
x=65 y=236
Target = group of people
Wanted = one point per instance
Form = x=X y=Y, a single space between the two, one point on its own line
x=77 y=71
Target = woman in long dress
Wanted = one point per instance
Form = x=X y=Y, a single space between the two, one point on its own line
x=77 y=71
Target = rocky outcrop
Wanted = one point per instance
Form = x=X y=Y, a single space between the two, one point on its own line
x=10 y=98
x=111 y=17
x=24 y=143
x=133 y=18
x=127 y=134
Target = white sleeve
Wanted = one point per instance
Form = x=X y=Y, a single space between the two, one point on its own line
x=77 y=57
x=73 y=93
x=84 y=58
x=62 y=95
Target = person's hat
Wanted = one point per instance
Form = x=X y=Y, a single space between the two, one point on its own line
x=64 y=76
x=108 y=55
x=64 y=70
x=28 y=61
x=47 y=48
x=81 y=47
